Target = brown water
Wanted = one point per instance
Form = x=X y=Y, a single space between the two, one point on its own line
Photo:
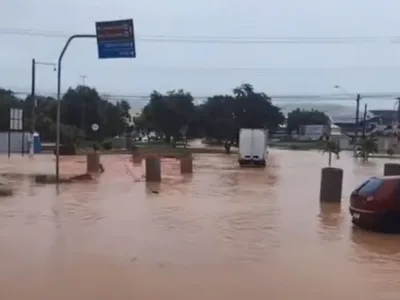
x=222 y=233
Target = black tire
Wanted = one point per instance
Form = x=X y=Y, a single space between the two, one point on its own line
x=243 y=163
x=390 y=223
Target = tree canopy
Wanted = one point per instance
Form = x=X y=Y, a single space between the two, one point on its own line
x=298 y=118
x=80 y=108
x=169 y=115
x=220 y=117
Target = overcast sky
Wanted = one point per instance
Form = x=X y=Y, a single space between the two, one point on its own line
x=207 y=68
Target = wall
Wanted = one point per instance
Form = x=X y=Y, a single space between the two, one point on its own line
x=119 y=143
x=313 y=132
x=343 y=141
x=384 y=143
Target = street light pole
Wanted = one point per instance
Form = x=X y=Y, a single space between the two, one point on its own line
x=58 y=121
x=357 y=122
x=33 y=96
x=358 y=98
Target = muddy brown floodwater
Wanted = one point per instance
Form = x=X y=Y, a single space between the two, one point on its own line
x=222 y=233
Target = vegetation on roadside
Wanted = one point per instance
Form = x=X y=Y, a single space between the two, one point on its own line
x=172 y=116
x=332 y=148
x=298 y=118
x=168 y=118
x=390 y=152
x=80 y=108
x=367 y=146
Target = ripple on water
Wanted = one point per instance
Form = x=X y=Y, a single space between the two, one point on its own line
x=225 y=230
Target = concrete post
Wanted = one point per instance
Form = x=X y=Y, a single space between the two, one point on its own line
x=390 y=169
x=128 y=142
x=331 y=185
x=136 y=158
x=153 y=169
x=186 y=163
x=92 y=163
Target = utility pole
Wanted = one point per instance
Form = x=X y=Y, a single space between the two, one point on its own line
x=357 y=123
x=398 y=119
x=33 y=96
x=83 y=77
x=398 y=110
x=365 y=120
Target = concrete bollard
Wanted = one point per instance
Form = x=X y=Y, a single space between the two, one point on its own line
x=153 y=169
x=92 y=162
x=391 y=169
x=136 y=158
x=186 y=163
x=331 y=185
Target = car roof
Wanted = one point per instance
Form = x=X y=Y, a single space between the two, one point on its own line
x=392 y=177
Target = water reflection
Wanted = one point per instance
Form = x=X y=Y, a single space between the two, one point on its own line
x=153 y=187
x=330 y=214
x=371 y=245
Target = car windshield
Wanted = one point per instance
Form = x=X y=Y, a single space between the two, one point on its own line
x=370 y=187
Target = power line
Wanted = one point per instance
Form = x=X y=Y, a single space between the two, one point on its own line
x=274 y=97
x=221 y=39
x=265 y=69
x=169 y=69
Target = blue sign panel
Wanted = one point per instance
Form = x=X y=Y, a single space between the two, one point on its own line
x=116 y=39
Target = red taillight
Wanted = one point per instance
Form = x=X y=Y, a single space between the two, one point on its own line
x=370 y=198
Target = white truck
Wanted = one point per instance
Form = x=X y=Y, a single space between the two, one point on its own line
x=253 y=147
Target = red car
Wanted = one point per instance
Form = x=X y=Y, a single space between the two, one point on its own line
x=375 y=204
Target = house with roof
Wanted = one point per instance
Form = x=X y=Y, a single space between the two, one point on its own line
x=381 y=123
x=377 y=122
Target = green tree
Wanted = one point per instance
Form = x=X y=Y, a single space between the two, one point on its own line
x=224 y=115
x=7 y=100
x=367 y=146
x=169 y=113
x=298 y=118
x=80 y=108
x=255 y=110
x=83 y=106
x=218 y=117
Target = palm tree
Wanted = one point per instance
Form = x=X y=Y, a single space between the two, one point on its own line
x=331 y=147
x=366 y=146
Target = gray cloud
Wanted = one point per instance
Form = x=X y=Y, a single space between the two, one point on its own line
x=358 y=67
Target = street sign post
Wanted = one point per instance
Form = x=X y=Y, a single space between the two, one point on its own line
x=116 y=39
x=16 y=117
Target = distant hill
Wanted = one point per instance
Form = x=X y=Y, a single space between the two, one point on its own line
x=332 y=110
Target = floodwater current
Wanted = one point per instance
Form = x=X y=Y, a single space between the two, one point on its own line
x=221 y=233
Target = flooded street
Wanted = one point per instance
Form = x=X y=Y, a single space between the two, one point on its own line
x=221 y=233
